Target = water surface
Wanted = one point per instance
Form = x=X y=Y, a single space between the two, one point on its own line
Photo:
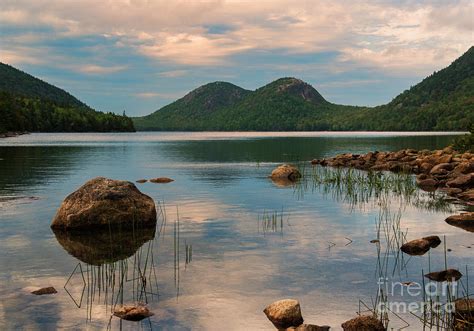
x=213 y=264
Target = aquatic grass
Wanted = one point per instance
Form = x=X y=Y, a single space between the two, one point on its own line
x=271 y=222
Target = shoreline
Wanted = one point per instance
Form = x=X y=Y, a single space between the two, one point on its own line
x=12 y=134
x=446 y=169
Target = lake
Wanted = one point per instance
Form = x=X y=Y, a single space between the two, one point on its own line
x=228 y=242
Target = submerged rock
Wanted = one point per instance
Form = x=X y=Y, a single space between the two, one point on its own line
x=464 y=221
x=45 y=290
x=103 y=246
x=141 y=181
x=133 y=313
x=448 y=275
x=284 y=313
x=420 y=246
x=103 y=202
x=363 y=323
x=161 y=180
x=286 y=171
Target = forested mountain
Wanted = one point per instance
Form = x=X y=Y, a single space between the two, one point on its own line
x=442 y=101
x=30 y=104
x=192 y=111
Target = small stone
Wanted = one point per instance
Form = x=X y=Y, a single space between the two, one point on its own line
x=363 y=323
x=161 y=180
x=45 y=290
x=420 y=246
x=374 y=241
x=284 y=313
x=133 y=313
x=309 y=327
x=141 y=181
x=444 y=276
x=286 y=171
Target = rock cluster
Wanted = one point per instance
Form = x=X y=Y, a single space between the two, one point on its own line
x=440 y=169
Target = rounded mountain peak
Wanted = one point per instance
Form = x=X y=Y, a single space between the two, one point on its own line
x=297 y=87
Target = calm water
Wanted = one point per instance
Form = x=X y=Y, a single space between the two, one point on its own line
x=220 y=265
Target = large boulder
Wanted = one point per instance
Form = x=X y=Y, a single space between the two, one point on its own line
x=286 y=172
x=420 y=246
x=363 y=323
x=103 y=202
x=284 y=313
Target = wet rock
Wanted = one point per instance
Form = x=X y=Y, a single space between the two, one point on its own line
x=161 y=180
x=464 y=314
x=441 y=168
x=451 y=191
x=103 y=202
x=133 y=313
x=462 y=181
x=464 y=168
x=315 y=161
x=309 y=327
x=428 y=184
x=420 y=246
x=467 y=195
x=284 y=313
x=45 y=290
x=286 y=171
x=444 y=276
x=141 y=181
x=363 y=323
x=464 y=221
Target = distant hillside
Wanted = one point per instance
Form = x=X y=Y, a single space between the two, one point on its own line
x=442 y=101
x=193 y=111
x=30 y=104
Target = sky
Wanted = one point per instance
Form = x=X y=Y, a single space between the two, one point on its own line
x=139 y=55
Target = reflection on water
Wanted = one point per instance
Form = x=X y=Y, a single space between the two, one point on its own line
x=229 y=240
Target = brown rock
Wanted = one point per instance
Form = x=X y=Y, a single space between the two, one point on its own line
x=462 y=181
x=464 y=167
x=464 y=221
x=445 y=158
x=425 y=167
x=444 y=276
x=467 y=195
x=315 y=161
x=286 y=171
x=284 y=313
x=420 y=246
x=45 y=290
x=441 y=168
x=464 y=314
x=141 y=181
x=363 y=323
x=309 y=327
x=133 y=313
x=428 y=184
x=102 y=202
x=161 y=180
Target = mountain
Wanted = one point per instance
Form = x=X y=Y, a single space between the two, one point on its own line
x=192 y=111
x=30 y=104
x=442 y=101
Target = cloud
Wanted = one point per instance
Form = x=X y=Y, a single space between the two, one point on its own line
x=96 y=69
x=179 y=31
x=173 y=73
